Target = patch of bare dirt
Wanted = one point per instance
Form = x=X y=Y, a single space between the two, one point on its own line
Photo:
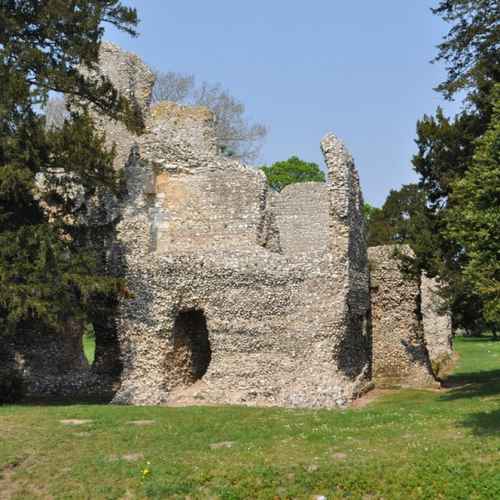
x=75 y=421
x=9 y=488
x=188 y=396
x=370 y=397
x=128 y=457
x=223 y=444
x=141 y=423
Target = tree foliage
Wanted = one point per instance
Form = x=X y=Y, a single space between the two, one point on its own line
x=50 y=177
x=470 y=50
x=447 y=148
x=282 y=173
x=236 y=136
x=402 y=219
x=378 y=231
x=474 y=219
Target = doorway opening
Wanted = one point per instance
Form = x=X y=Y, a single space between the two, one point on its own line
x=192 y=353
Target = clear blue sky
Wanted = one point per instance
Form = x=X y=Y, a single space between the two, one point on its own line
x=357 y=68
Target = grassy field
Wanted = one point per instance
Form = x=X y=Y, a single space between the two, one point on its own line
x=408 y=444
x=89 y=348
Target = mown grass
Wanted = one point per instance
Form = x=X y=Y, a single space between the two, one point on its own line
x=408 y=444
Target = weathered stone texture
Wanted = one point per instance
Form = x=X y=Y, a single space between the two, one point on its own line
x=206 y=209
x=437 y=326
x=277 y=326
x=302 y=213
x=238 y=294
x=348 y=252
x=49 y=363
x=133 y=79
x=399 y=354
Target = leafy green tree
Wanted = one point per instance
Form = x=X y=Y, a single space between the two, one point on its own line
x=403 y=219
x=446 y=146
x=291 y=171
x=378 y=231
x=474 y=219
x=470 y=53
x=470 y=49
x=51 y=177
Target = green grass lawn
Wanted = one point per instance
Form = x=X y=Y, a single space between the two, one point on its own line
x=408 y=444
x=89 y=348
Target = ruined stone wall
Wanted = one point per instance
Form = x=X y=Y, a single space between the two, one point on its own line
x=212 y=208
x=279 y=331
x=302 y=214
x=135 y=81
x=202 y=237
x=348 y=251
x=177 y=135
x=399 y=354
x=237 y=295
x=49 y=363
x=437 y=326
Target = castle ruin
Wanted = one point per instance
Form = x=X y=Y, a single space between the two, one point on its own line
x=237 y=294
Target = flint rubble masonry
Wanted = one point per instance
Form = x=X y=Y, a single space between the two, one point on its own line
x=239 y=295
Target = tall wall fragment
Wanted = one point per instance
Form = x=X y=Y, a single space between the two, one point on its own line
x=132 y=79
x=437 y=326
x=348 y=250
x=399 y=354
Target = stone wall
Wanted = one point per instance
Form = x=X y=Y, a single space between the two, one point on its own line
x=348 y=254
x=208 y=254
x=276 y=330
x=51 y=364
x=135 y=81
x=237 y=294
x=399 y=354
x=302 y=214
x=206 y=209
x=437 y=326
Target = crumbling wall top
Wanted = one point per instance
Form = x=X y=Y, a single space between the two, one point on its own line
x=179 y=136
x=129 y=74
x=347 y=233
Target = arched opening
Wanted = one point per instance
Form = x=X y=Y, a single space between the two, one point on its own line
x=192 y=353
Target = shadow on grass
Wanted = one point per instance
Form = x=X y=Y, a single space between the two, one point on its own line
x=484 y=384
x=101 y=399
x=470 y=384
x=485 y=338
x=476 y=384
x=473 y=385
x=486 y=423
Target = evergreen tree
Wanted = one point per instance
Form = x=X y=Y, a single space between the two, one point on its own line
x=446 y=147
x=378 y=231
x=470 y=49
x=474 y=219
x=50 y=178
x=403 y=219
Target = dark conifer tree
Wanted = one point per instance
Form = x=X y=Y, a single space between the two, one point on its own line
x=49 y=178
x=446 y=146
